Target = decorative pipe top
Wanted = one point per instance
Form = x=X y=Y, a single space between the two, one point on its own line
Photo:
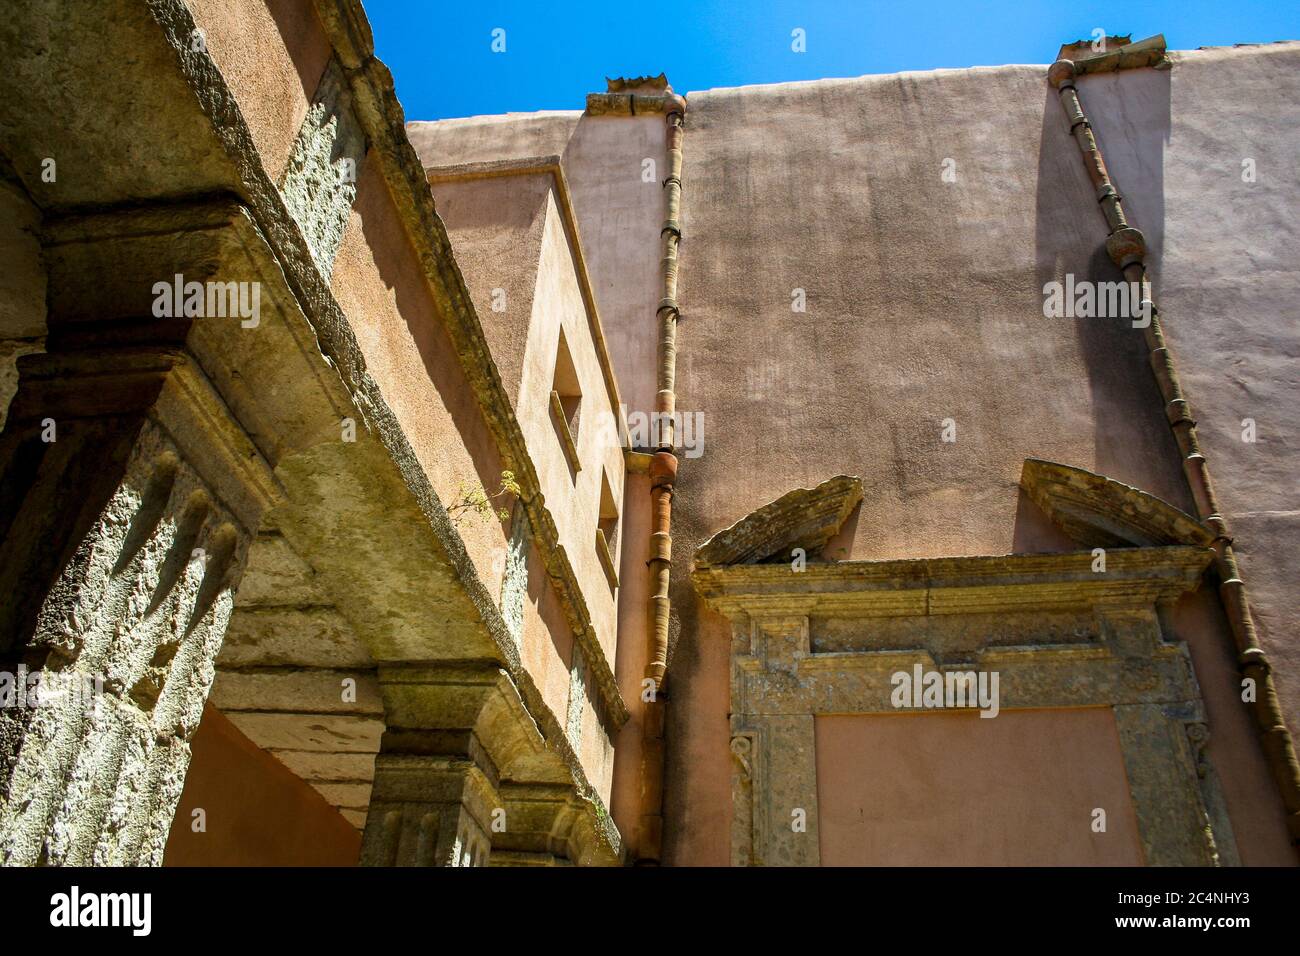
x=1105 y=56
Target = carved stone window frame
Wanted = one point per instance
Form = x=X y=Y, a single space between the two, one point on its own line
x=779 y=685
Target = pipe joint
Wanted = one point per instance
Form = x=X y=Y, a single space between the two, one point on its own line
x=1219 y=526
x=663 y=469
x=661 y=547
x=1126 y=247
x=1061 y=74
x=1254 y=657
x=1179 y=413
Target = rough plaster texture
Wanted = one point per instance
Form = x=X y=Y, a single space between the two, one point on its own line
x=22 y=285
x=514 y=579
x=924 y=303
x=320 y=182
x=1018 y=790
x=143 y=604
x=54 y=82
x=272 y=53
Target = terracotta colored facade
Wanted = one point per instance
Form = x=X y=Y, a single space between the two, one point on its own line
x=390 y=561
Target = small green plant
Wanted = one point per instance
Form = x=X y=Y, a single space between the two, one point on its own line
x=475 y=502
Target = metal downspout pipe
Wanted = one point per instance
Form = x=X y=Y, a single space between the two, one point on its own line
x=663 y=478
x=1127 y=248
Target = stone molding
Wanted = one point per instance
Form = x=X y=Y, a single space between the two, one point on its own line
x=382 y=119
x=806 y=518
x=317 y=316
x=319 y=183
x=1096 y=511
x=933 y=612
x=460 y=774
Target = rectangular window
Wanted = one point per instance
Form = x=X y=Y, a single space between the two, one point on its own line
x=566 y=404
x=607 y=532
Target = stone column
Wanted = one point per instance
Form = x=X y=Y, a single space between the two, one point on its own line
x=436 y=787
x=129 y=497
x=463 y=778
x=428 y=810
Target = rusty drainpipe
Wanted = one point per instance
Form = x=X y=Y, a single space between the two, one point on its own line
x=663 y=476
x=1127 y=247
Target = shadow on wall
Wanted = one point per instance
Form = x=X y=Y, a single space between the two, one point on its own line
x=401 y=272
x=1035 y=533
x=840 y=547
x=298 y=29
x=242 y=807
x=1132 y=441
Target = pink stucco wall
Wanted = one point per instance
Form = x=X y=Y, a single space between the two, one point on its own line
x=958 y=790
x=272 y=54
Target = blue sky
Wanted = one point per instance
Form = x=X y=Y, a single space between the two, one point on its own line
x=557 y=52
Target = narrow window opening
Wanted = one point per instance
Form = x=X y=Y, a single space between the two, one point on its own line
x=607 y=532
x=566 y=403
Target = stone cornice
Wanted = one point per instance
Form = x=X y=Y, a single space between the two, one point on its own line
x=805 y=518
x=384 y=122
x=966 y=585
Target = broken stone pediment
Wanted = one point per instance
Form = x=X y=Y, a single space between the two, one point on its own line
x=637 y=84
x=1096 y=511
x=805 y=518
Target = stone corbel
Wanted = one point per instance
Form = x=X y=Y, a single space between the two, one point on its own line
x=463 y=772
x=547 y=825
